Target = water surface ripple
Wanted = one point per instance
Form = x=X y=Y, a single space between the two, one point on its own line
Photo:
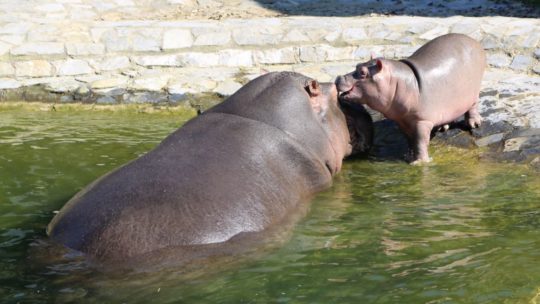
x=456 y=231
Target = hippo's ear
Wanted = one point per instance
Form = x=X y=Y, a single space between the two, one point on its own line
x=379 y=65
x=313 y=88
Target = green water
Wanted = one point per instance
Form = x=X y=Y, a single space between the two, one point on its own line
x=457 y=231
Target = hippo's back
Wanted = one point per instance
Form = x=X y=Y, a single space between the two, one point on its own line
x=196 y=188
x=450 y=70
x=439 y=53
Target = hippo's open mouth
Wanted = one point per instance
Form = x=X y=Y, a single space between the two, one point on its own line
x=347 y=95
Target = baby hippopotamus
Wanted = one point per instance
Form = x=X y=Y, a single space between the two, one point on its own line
x=436 y=85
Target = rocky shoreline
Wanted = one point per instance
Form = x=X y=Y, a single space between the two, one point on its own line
x=130 y=52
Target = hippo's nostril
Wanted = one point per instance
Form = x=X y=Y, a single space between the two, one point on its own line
x=342 y=84
x=330 y=168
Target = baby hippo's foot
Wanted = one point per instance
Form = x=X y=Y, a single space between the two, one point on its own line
x=420 y=162
x=473 y=118
x=414 y=160
x=474 y=122
x=443 y=128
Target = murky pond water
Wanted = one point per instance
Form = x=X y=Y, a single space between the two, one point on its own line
x=457 y=231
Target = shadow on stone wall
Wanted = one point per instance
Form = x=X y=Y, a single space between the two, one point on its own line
x=348 y=8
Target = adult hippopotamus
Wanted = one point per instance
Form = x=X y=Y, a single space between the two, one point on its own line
x=436 y=85
x=234 y=172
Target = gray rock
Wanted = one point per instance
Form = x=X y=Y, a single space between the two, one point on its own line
x=115 y=42
x=491 y=42
x=227 y=88
x=82 y=90
x=39 y=48
x=145 y=97
x=462 y=140
x=124 y=2
x=63 y=86
x=205 y=37
x=33 y=68
x=197 y=59
x=354 y=34
x=109 y=83
x=514 y=144
x=4 y=48
x=296 y=35
x=114 y=63
x=235 y=58
x=19 y=28
x=526 y=132
x=205 y=102
x=179 y=89
x=258 y=35
x=8 y=83
x=66 y=98
x=498 y=60
x=521 y=63
x=146 y=44
x=72 y=67
x=537 y=53
x=106 y=100
x=114 y=92
x=531 y=40
x=13 y=39
x=149 y=83
x=77 y=49
x=276 y=56
x=489 y=92
x=161 y=60
x=50 y=8
x=490 y=128
x=6 y=69
x=489 y=140
x=434 y=33
x=339 y=54
x=420 y=27
x=467 y=27
x=523 y=147
x=38 y=93
x=536 y=69
x=182 y=2
x=177 y=39
x=535 y=163
x=312 y=54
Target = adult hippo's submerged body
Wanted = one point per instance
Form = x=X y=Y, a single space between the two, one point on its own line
x=239 y=169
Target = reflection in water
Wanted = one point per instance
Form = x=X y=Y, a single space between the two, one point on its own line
x=454 y=231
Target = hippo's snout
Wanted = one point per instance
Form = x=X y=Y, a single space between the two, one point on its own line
x=342 y=84
x=346 y=87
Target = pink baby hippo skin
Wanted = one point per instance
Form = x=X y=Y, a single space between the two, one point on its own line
x=436 y=85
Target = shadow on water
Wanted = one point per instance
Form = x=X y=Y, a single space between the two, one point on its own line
x=435 y=8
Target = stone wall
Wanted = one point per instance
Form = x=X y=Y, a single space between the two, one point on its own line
x=169 y=61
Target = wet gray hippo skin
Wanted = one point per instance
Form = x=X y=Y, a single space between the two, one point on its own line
x=239 y=168
x=436 y=85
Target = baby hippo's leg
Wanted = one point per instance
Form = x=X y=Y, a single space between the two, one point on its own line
x=420 y=142
x=472 y=117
